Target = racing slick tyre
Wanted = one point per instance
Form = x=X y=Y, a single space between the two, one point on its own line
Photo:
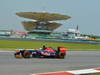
x=62 y=55
x=26 y=54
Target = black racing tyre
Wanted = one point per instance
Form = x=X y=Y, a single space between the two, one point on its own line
x=26 y=54
x=62 y=55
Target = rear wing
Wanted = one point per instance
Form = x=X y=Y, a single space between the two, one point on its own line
x=74 y=72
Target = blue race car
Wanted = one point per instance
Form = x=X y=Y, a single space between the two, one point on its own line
x=41 y=53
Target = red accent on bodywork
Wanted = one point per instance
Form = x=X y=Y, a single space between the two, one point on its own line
x=98 y=69
x=58 y=73
x=63 y=50
x=50 y=49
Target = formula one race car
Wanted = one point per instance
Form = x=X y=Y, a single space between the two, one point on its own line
x=45 y=52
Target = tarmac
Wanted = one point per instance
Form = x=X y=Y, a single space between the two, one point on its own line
x=74 y=60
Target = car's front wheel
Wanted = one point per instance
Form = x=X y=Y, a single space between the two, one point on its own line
x=27 y=54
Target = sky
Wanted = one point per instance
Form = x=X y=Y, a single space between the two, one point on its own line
x=84 y=13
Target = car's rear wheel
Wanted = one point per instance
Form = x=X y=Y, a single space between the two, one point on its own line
x=62 y=55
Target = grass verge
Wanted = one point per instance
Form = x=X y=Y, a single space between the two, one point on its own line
x=95 y=74
x=13 y=44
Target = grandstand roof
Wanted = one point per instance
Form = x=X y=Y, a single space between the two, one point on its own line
x=30 y=25
x=43 y=16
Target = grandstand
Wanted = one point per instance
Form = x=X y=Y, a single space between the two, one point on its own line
x=42 y=25
x=5 y=33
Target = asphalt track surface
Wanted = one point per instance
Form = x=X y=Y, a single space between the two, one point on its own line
x=73 y=61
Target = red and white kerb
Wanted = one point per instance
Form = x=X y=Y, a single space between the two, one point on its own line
x=74 y=72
